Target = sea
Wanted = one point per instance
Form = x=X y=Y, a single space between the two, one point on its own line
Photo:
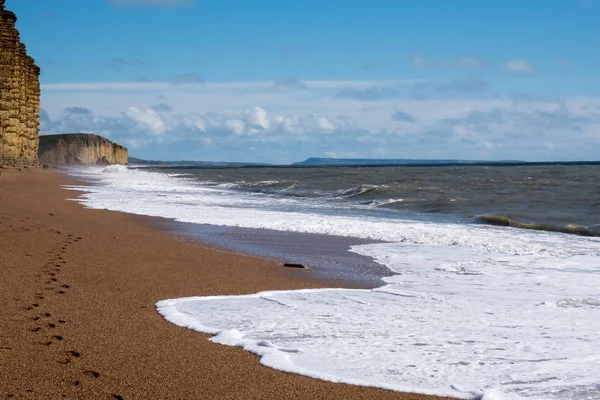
x=491 y=274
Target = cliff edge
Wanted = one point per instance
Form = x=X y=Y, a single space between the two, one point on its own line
x=19 y=96
x=80 y=148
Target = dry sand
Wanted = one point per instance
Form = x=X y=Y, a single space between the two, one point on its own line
x=77 y=295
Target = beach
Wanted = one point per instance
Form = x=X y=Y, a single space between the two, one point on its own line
x=79 y=287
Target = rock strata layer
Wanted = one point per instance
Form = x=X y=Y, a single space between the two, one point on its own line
x=80 y=148
x=19 y=96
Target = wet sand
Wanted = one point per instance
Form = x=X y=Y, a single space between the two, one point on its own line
x=326 y=257
x=77 y=292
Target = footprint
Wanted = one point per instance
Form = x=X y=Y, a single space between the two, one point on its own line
x=74 y=353
x=62 y=321
x=65 y=286
x=57 y=337
x=60 y=292
x=51 y=326
x=36 y=329
x=118 y=397
x=93 y=373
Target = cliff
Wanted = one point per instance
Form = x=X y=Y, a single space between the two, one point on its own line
x=19 y=96
x=80 y=148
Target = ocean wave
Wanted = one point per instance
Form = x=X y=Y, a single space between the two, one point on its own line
x=389 y=203
x=115 y=168
x=269 y=186
x=359 y=191
x=272 y=183
x=502 y=220
x=415 y=204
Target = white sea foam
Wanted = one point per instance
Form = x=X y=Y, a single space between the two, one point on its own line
x=473 y=310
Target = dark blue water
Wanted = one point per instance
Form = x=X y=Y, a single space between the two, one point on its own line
x=550 y=197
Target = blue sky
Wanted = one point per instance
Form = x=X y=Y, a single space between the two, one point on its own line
x=279 y=81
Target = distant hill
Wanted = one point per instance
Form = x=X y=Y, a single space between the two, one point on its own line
x=337 y=162
x=380 y=161
x=340 y=162
x=182 y=164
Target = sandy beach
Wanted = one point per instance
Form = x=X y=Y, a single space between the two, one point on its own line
x=78 y=289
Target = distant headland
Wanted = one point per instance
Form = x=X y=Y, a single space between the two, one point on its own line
x=324 y=162
x=81 y=149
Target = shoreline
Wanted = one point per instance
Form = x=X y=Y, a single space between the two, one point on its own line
x=80 y=286
x=327 y=258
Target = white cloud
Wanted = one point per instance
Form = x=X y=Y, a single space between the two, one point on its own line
x=255 y=121
x=258 y=117
x=237 y=126
x=519 y=66
x=193 y=122
x=438 y=119
x=148 y=119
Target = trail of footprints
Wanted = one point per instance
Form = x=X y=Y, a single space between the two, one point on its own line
x=45 y=325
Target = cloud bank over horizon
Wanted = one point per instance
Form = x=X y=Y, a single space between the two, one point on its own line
x=260 y=122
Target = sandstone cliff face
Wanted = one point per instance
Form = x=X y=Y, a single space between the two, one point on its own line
x=80 y=148
x=19 y=96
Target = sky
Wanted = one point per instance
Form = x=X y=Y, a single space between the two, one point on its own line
x=278 y=81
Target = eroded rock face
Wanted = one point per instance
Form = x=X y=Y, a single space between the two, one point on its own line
x=80 y=148
x=19 y=96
